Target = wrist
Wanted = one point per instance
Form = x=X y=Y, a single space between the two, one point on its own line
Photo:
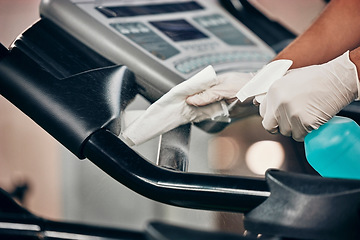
x=354 y=56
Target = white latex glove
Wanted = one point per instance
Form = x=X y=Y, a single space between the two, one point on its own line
x=226 y=87
x=171 y=110
x=308 y=97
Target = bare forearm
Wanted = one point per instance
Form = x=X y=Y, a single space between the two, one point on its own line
x=334 y=32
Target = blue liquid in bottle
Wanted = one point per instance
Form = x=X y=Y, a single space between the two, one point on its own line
x=334 y=149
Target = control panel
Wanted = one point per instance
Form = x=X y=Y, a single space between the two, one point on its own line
x=162 y=42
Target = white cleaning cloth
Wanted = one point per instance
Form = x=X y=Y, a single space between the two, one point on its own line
x=261 y=82
x=171 y=110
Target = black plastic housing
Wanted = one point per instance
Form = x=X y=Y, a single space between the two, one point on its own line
x=308 y=207
x=60 y=109
x=3 y=51
x=70 y=104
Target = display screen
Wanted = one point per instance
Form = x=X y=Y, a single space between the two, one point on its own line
x=178 y=30
x=142 y=35
x=224 y=30
x=148 y=9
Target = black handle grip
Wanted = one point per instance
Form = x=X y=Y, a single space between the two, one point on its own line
x=200 y=191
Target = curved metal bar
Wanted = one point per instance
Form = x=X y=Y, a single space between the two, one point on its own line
x=174 y=149
x=190 y=190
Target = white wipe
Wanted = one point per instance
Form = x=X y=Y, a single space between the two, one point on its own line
x=261 y=82
x=171 y=110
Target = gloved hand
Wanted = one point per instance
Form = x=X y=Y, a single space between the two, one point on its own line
x=308 y=97
x=171 y=110
x=225 y=88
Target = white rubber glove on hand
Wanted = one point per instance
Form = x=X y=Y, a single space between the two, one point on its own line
x=308 y=97
x=226 y=87
x=171 y=110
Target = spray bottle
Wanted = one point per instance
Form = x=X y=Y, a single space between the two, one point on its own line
x=333 y=149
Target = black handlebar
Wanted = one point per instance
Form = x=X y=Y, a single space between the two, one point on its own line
x=189 y=190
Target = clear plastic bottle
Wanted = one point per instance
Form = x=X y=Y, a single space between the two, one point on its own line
x=334 y=149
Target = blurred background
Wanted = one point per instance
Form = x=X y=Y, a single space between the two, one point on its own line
x=52 y=183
